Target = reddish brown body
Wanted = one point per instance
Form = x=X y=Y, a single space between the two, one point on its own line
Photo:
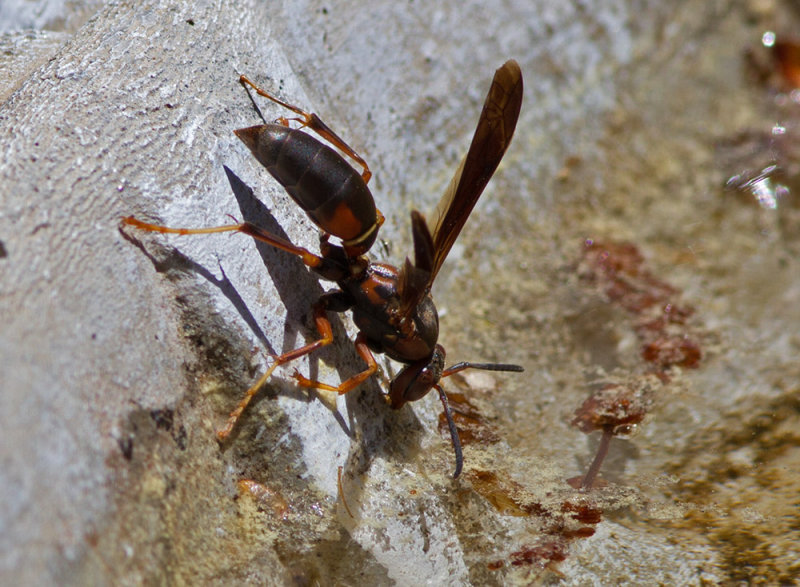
x=338 y=200
x=391 y=307
x=375 y=312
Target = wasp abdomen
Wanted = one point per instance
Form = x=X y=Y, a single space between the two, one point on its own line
x=332 y=193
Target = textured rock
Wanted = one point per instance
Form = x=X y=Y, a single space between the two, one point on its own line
x=122 y=352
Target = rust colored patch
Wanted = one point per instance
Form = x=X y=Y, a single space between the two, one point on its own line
x=663 y=326
x=540 y=555
x=661 y=323
x=343 y=223
x=502 y=494
x=667 y=351
x=584 y=532
x=472 y=426
x=787 y=61
x=618 y=406
x=560 y=520
x=562 y=523
x=585 y=513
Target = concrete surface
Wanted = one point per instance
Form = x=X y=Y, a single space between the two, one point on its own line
x=122 y=353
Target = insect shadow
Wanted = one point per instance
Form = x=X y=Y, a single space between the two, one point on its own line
x=297 y=289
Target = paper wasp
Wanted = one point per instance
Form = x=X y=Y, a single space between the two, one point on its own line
x=391 y=307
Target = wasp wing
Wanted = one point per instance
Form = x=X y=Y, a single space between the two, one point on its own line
x=415 y=278
x=489 y=143
x=492 y=137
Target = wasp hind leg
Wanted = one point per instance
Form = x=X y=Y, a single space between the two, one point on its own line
x=314 y=122
x=323 y=327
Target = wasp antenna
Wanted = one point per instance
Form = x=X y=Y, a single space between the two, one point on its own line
x=453 y=431
x=483 y=366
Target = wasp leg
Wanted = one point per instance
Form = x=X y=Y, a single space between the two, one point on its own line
x=324 y=329
x=309 y=258
x=315 y=123
x=352 y=382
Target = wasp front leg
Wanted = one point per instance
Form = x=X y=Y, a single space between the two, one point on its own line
x=334 y=302
x=348 y=384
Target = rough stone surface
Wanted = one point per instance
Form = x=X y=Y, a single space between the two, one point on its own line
x=122 y=352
